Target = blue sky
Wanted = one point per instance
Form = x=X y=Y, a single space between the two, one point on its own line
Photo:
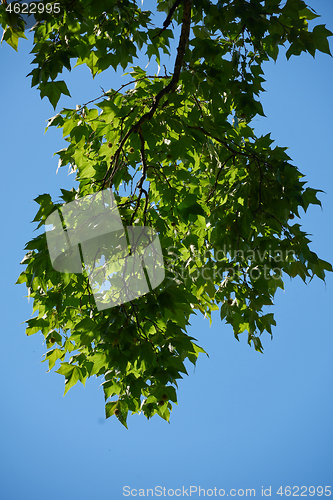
x=244 y=420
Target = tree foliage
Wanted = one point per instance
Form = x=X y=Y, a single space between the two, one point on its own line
x=180 y=155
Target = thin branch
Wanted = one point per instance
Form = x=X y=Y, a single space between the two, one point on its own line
x=201 y=129
x=198 y=104
x=260 y=186
x=165 y=177
x=142 y=178
x=184 y=36
x=217 y=177
x=110 y=95
x=169 y=17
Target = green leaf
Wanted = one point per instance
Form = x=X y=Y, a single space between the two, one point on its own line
x=53 y=90
x=99 y=361
x=319 y=37
x=53 y=355
x=72 y=374
x=309 y=197
x=12 y=36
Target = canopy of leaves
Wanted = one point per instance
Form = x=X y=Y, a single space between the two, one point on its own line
x=179 y=154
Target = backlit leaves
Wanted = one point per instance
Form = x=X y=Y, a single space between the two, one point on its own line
x=180 y=155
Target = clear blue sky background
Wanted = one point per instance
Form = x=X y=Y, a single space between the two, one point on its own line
x=244 y=420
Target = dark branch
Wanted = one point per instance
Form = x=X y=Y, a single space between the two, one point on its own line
x=141 y=181
x=169 y=17
x=184 y=36
x=217 y=177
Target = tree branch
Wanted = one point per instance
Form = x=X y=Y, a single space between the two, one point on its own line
x=141 y=181
x=169 y=17
x=184 y=36
x=217 y=177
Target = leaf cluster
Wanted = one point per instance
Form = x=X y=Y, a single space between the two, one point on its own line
x=180 y=155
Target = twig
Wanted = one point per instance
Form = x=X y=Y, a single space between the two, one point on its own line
x=184 y=36
x=217 y=177
x=142 y=178
x=169 y=17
